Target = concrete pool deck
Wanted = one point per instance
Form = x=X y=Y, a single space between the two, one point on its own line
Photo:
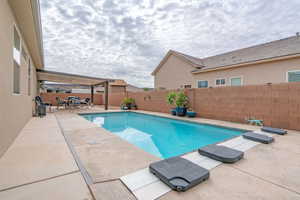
x=41 y=162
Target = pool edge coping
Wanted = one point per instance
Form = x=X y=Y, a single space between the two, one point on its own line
x=185 y=119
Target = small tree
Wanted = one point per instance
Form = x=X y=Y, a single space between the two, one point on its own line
x=128 y=101
x=177 y=99
x=171 y=98
x=181 y=100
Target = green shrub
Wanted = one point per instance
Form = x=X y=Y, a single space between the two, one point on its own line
x=128 y=101
x=171 y=97
x=181 y=100
x=177 y=99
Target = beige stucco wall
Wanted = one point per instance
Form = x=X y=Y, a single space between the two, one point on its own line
x=174 y=74
x=15 y=109
x=271 y=72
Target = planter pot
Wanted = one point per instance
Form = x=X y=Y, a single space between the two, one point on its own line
x=191 y=114
x=124 y=108
x=173 y=111
x=134 y=107
x=180 y=111
x=128 y=106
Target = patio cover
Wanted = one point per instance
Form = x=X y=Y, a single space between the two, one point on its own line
x=52 y=76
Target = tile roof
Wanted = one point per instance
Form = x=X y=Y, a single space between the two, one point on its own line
x=274 y=49
x=277 y=48
x=194 y=60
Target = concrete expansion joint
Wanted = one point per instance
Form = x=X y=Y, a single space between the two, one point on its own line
x=265 y=180
x=108 y=180
x=81 y=168
x=38 y=181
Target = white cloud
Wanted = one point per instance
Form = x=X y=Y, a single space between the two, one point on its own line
x=127 y=39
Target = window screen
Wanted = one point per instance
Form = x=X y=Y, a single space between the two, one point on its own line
x=220 y=81
x=294 y=76
x=17 y=62
x=236 y=81
x=16 y=78
x=202 y=84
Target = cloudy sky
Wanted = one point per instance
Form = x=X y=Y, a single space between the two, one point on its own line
x=126 y=39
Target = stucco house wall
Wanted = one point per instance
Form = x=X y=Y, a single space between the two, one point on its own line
x=255 y=74
x=175 y=73
x=15 y=109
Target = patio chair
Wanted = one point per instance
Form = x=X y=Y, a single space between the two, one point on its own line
x=41 y=106
x=60 y=102
x=74 y=101
x=86 y=101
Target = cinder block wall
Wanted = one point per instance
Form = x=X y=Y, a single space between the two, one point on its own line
x=115 y=99
x=278 y=104
x=51 y=97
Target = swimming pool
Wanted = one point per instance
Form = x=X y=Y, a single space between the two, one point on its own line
x=162 y=137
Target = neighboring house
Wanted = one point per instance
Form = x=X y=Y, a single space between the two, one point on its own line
x=21 y=53
x=114 y=87
x=274 y=62
x=132 y=88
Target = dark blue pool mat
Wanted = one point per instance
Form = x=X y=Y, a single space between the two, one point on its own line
x=178 y=173
x=274 y=130
x=221 y=153
x=258 y=137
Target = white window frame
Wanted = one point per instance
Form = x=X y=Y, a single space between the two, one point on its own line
x=220 y=79
x=15 y=27
x=287 y=75
x=241 y=77
x=202 y=80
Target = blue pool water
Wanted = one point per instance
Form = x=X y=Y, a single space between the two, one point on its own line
x=162 y=137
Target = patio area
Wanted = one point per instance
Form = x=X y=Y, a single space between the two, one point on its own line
x=64 y=156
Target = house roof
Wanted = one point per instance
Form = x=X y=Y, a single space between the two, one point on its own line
x=286 y=47
x=118 y=83
x=196 y=62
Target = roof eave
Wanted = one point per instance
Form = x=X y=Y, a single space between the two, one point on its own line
x=171 y=52
x=247 y=63
x=38 y=28
x=28 y=18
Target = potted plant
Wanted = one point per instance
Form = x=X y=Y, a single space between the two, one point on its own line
x=181 y=103
x=191 y=113
x=127 y=103
x=171 y=97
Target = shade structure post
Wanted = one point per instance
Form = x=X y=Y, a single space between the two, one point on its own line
x=92 y=94
x=106 y=94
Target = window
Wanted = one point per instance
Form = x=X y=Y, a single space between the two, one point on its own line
x=17 y=62
x=202 y=84
x=187 y=86
x=220 y=81
x=236 y=81
x=29 y=78
x=293 y=76
x=24 y=53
